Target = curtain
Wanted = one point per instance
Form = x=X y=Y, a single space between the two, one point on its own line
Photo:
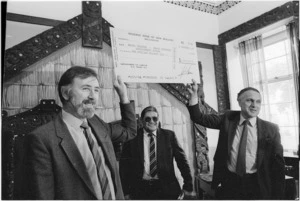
x=252 y=63
x=293 y=31
x=294 y=44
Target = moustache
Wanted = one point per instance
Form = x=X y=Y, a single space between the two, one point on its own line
x=89 y=101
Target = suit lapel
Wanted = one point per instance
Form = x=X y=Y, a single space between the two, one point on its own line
x=261 y=135
x=160 y=141
x=103 y=139
x=140 y=144
x=231 y=131
x=72 y=152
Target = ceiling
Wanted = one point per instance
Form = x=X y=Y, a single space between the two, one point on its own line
x=212 y=7
x=28 y=8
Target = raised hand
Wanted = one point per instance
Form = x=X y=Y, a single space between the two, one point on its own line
x=193 y=90
x=121 y=89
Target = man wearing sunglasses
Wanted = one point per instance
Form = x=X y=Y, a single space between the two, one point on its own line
x=153 y=152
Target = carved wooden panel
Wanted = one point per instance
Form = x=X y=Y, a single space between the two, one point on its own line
x=92 y=24
x=201 y=144
x=14 y=130
x=286 y=10
x=221 y=79
x=38 y=47
x=178 y=90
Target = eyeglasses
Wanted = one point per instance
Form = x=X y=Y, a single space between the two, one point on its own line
x=148 y=119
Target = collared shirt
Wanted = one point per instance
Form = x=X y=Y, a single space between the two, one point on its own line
x=146 y=175
x=78 y=136
x=251 y=147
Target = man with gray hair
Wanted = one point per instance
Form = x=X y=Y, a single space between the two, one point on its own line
x=72 y=157
x=249 y=162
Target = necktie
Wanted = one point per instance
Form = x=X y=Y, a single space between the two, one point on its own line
x=241 y=160
x=153 y=162
x=99 y=163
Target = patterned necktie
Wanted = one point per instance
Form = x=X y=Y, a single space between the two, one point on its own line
x=99 y=163
x=241 y=160
x=153 y=162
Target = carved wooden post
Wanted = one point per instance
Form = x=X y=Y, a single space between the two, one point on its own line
x=92 y=24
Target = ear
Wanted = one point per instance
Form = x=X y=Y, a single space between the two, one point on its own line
x=65 y=92
x=239 y=101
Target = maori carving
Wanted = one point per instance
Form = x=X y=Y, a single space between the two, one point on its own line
x=177 y=90
x=286 y=10
x=201 y=144
x=36 y=48
x=92 y=24
x=106 y=32
x=32 y=50
x=221 y=79
x=14 y=129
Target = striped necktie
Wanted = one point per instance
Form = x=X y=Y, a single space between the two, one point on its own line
x=241 y=160
x=153 y=162
x=99 y=163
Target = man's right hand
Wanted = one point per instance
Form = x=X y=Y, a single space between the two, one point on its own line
x=193 y=90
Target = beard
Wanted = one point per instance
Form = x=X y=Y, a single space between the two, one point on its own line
x=85 y=109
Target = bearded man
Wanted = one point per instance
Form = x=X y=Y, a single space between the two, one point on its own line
x=72 y=157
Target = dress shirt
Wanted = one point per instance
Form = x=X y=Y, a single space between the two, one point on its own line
x=251 y=147
x=146 y=175
x=78 y=136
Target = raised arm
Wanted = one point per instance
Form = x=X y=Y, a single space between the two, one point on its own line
x=207 y=120
x=128 y=127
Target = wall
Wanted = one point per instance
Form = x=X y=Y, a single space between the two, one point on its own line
x=245 y=11
x=144 y=16
x=163 y=18
x=17 y=32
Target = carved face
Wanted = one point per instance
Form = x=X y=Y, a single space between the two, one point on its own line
x=82 y=96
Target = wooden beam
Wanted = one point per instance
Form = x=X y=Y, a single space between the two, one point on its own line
x=32 y=20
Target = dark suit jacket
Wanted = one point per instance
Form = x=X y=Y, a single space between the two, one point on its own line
x=55 y=166
x=270 y=161
x=167 y=149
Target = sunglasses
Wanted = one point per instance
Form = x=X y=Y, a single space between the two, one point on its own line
x=148 y=119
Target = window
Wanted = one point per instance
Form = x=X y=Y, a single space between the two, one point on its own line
x=272 y=73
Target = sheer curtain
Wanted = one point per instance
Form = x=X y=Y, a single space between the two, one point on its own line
x=294 y=44
x=270 y=63
x=252 y=62
x=293 y=32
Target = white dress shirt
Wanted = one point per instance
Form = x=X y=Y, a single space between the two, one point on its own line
x=78 y=136
x=251 y=147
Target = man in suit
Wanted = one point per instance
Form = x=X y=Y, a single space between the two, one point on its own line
x=249 y=162
x=153 y=175
x=72 y=157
